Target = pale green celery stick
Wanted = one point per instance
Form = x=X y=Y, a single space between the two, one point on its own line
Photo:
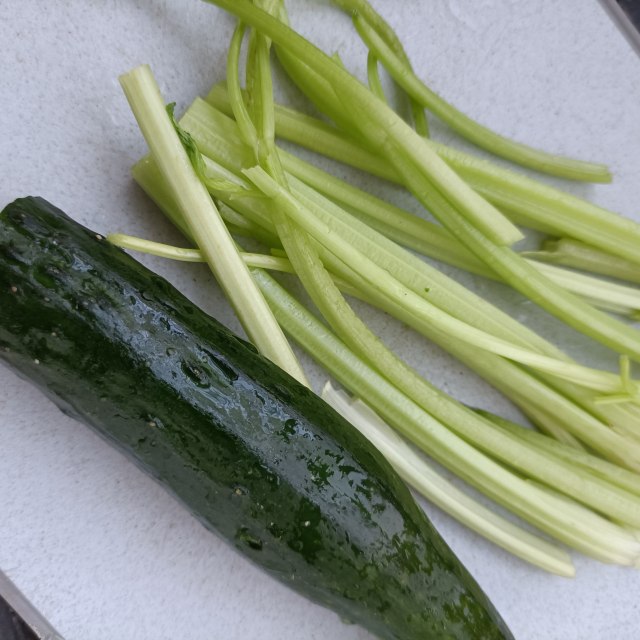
x=383 y=281
x=204 y=221
x=250 y=79
x=432 y=241
x=600 y=293
x=162 y=250
x=590 y=533
x=252 y=260
x=159 y=249
x=417 y=472
x=601 y=468
x=373 y=78
x=526 y=201
x=466 y=127
x=578 y=255
x=389 y=36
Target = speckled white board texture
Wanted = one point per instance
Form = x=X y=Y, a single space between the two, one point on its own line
x=101 y=549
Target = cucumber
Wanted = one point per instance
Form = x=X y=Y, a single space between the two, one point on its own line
x=254 y=455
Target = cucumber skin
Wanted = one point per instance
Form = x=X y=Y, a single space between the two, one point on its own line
x=253 y=454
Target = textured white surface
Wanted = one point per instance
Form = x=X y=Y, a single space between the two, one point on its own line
x=99 y=547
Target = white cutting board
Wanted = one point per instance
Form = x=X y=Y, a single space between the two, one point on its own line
x=101 y=549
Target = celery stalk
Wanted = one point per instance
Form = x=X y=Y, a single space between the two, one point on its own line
x=204 y=221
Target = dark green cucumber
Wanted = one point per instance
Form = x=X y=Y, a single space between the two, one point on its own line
x=253 y=454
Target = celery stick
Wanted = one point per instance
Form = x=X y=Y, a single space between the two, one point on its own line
x=373 y=77
x=204 y=222
x=245 y=124
x=181 y=254
x=601 y=293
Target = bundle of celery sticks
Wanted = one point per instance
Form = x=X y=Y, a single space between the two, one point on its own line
x=219 y=175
